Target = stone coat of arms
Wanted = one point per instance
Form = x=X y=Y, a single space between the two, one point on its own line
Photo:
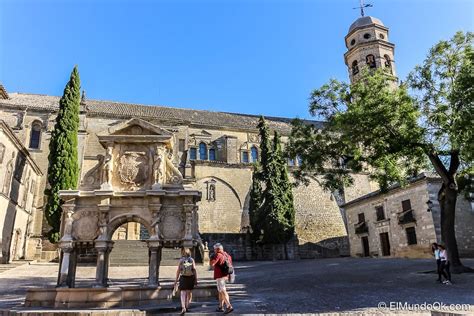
x=133 y=168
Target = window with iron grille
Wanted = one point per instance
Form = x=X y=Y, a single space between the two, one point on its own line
x=406 y=205
x=380 y=213
x=411 y=236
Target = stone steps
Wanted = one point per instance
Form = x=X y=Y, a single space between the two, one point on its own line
x=135 y=253
x=8 y=266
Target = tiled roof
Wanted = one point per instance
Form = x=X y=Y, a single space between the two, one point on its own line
x=173 y=115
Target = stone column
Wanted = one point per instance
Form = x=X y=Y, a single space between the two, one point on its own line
x=67 y=267
x=102 y=270
x=154 y=248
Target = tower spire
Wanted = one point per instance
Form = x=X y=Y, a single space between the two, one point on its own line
x=363 y=5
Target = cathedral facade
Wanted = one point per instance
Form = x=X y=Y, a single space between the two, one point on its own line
x=213 y=151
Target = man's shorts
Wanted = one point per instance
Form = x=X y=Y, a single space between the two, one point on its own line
x=221 y=284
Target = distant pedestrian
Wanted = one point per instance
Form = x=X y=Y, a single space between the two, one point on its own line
x=186 y=275
x=222 y=263
x=443 y=255
x=435 y=251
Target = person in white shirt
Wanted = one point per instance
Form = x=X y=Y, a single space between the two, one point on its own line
x=435 y=251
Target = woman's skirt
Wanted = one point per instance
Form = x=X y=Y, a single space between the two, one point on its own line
x=186 y=283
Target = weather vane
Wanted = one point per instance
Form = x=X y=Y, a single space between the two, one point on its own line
x=362 y=6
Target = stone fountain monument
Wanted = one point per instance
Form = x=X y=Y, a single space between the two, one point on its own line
x=138 y=182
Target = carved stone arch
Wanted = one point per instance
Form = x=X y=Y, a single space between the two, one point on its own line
x=226 y=184
x=119 y=220
x=245 y=146
x=36 y=129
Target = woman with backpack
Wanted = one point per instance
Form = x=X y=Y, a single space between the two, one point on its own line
x=187 y=277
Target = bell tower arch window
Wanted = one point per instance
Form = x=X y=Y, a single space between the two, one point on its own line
x=370 y=60
x=388 y=62
x=355 y=67
x=35 y=135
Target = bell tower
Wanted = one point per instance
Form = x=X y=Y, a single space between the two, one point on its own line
x=368 y=45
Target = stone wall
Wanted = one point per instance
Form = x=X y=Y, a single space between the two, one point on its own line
x=241 y=248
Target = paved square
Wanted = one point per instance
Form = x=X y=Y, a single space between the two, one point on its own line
x=304 y=286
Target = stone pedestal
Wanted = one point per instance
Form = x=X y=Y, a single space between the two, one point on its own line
x=67 y=268
x=102 y=269
x=155 y=249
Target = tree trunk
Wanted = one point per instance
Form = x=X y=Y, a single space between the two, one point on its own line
x=447 y=200
x=447 y=197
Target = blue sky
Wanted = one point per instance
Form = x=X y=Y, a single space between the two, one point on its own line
x=249 y=56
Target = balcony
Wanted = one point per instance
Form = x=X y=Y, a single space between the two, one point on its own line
x=406 y=217
x=361 y=228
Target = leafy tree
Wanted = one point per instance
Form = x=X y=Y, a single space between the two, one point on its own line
x=374 y=125
x=444 y=93
x=63 y=169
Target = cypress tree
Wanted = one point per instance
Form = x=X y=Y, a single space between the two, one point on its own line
x=265 y=147
x=277 y=203
x=271 y=206
x=63 y=169
x=256 y=199
x=286 y=187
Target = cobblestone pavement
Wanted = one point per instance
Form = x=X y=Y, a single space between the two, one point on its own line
x=305 y=286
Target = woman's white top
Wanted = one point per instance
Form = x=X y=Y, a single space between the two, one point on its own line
x=443 y=255
x=437 y=254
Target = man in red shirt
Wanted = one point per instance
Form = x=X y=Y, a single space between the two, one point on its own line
x=217 y=261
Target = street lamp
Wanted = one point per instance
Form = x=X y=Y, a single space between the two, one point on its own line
x=430 y=205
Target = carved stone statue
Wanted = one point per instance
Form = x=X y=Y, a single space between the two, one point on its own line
x=212 y=192
x=158 y=167
x=156 y=226
x=173 y=175
x=107 y=169
x=68 y=221
x=103 y=225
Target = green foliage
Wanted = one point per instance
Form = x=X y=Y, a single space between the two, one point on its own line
x=371 y=127
x=256 y=200
x=443 y=88
x=63 y=169
x=272 y=213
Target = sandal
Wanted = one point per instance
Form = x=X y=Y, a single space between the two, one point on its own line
x=229 y=310
x=219 y=309
x=183 y=311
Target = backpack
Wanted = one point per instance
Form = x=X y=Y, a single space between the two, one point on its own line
x=227 y=267
x=187 y=267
